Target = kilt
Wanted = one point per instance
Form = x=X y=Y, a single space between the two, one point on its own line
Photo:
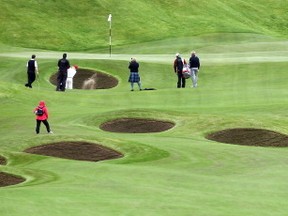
x=134 y=77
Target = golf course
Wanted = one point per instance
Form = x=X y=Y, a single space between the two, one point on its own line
x=220 y=149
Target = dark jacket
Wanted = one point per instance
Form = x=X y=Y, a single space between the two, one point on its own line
x=63 y=65
x=133 y=66
x=178 y=64
x=194 y=62
x=31 y=65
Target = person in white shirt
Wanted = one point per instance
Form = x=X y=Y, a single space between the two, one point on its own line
x=70 y=74
x=32 y=69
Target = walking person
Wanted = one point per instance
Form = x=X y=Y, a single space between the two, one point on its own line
x=41 y=112
x=134 y=74
x=178 y=69
x=32 y=70
x=63 y=65
x=194 y=65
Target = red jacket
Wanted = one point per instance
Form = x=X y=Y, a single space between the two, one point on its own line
x=43 y=106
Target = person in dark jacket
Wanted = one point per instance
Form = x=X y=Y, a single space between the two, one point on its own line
x=194 y=65
x=134 y=74
x=42 y=117
x=63 y=65
x=32 y=70
x=178 y=69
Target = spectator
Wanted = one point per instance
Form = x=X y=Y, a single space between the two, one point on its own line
x=178 y=69
x=194 y=65
x=41 y=112
x=63 y=65
x=32 y=69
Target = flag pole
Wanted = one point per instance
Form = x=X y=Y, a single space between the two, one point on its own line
x=110 y=34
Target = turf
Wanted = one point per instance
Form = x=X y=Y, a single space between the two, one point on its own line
x=242 y=84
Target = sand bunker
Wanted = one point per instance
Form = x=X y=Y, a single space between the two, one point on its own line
x=135 y=125
x=7 y=179
x=97 y=80
x=250 y=137
x=83 y=151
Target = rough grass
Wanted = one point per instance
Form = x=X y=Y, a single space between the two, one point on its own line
x=75 y=25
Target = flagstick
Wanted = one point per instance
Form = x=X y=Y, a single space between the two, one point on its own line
x=110 y=34
x=110 y=40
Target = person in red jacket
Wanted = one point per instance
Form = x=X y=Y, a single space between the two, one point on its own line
x=41 y=112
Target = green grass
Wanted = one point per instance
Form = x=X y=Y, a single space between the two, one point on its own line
x=82 y=25
x=242 y=83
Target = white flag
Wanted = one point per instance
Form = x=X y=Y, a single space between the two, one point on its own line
x=110 y=18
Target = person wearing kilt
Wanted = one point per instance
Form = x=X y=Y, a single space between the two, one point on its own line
x=134 y=74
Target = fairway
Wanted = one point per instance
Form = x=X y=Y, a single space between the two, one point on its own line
x=216 y=150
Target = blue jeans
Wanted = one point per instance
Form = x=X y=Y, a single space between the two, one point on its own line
x=194 y=76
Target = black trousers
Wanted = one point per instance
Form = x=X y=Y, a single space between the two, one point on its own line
x=31 y=78
x=38 y=123
x=181 y=80
x=61 y=81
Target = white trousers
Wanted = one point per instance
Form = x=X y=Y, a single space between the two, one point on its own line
x=69 y=83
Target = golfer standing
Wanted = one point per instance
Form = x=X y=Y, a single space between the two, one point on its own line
x=194 y=65
x=134 y=74
x=32 y=69
x=63 y=65
x=70 y=74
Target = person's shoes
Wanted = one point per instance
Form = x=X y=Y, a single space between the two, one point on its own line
x=132 y=89
x=26 y=85
x=51 y=132
x=140 y=89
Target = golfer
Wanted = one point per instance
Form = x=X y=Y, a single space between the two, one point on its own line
x=134 y=74
x=70 y=74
